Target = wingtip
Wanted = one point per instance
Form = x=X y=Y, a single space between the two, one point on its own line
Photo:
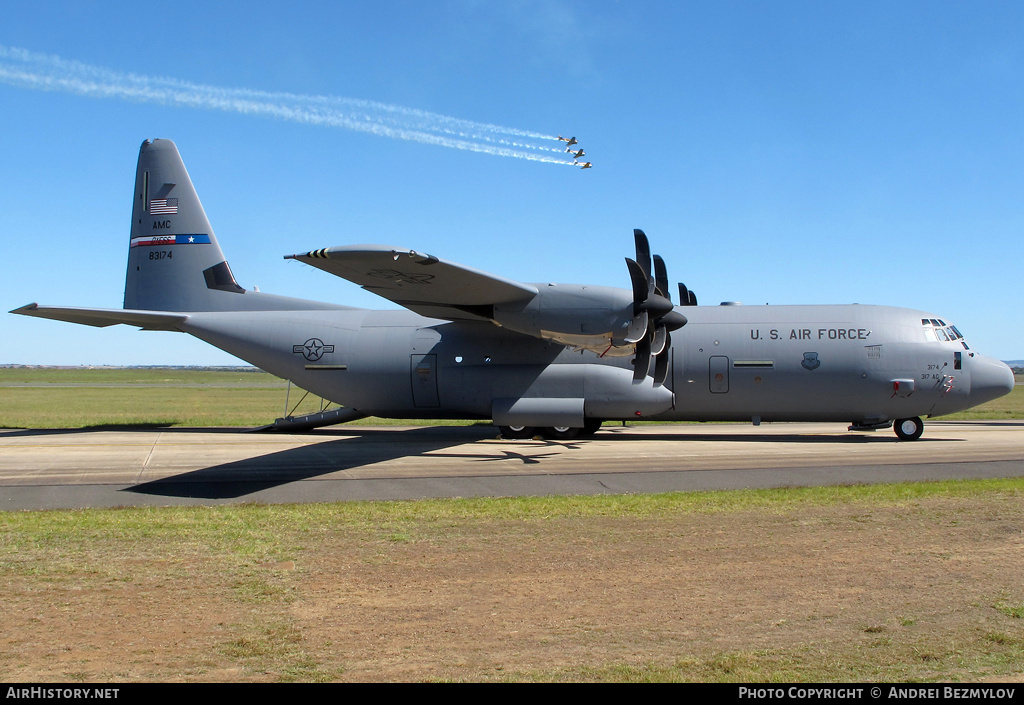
x=24 y=310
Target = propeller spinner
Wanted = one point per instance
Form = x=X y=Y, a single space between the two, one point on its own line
x=654 y=315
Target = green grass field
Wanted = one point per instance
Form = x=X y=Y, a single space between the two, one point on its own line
x=75 y=398
x=228 y=560
x=82 y=397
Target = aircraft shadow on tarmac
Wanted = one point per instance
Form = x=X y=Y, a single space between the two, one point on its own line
x=357 y=449
x=362 y=447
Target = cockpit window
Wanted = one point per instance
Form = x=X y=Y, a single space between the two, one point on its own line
x=936 y=329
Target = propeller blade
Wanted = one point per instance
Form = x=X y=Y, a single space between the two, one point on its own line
x=641 y=284
x=637 y=328
x=643 y=252
x=642 y=361
x=661 y=277
x=661 y=362
x=686 y=297
x=660 y=339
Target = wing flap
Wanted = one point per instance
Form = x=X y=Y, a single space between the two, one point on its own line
x=103 y=317
x=419 y=282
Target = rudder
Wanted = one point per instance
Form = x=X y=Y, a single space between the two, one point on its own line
x=174 y=260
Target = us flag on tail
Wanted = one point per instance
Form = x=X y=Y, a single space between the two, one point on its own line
x=163 y=206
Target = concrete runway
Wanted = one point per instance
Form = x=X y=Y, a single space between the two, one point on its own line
x=42 y=469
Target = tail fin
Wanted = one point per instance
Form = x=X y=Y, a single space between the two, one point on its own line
x=175 y=266
x=174 y=261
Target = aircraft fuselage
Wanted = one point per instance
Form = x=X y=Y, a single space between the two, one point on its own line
x=857 y=363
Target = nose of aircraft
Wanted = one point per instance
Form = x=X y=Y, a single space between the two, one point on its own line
x=990 y=379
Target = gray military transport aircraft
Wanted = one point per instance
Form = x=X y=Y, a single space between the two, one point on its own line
x=554 y=359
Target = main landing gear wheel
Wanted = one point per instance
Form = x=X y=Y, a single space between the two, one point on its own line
x=909 y=429
x=517 y=432
x=555 y=433
x=562 y=433
x=567 y=433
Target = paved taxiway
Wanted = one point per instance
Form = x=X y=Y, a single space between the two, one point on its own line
x=97 y=468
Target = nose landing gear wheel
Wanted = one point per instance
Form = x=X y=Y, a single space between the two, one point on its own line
x=909 y=429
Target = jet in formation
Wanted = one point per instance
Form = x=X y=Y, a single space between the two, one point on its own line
x=549 y=359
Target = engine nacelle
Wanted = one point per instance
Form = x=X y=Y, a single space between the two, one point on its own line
x=590 y=317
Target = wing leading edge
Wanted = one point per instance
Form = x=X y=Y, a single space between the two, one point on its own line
x=419 y=282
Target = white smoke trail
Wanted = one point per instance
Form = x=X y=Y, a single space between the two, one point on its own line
x=26 y=69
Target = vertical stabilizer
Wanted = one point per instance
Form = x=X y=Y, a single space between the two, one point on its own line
x=174 y=261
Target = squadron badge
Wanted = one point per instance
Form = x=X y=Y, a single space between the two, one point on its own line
x=810 y=361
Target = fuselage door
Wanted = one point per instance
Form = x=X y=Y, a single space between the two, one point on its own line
x=424 y=381
x=718 y=374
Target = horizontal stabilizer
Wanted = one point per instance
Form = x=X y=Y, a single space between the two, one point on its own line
x=103 y=317
x=421 y=283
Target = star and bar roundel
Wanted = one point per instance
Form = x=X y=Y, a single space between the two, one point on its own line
x=313 y=349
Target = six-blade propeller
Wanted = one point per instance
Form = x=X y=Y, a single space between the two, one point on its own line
x=654 y=316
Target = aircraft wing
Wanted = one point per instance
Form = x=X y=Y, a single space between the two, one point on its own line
x=421 y=283
x=103 y=317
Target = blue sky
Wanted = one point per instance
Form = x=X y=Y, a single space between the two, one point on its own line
x=774 y=152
